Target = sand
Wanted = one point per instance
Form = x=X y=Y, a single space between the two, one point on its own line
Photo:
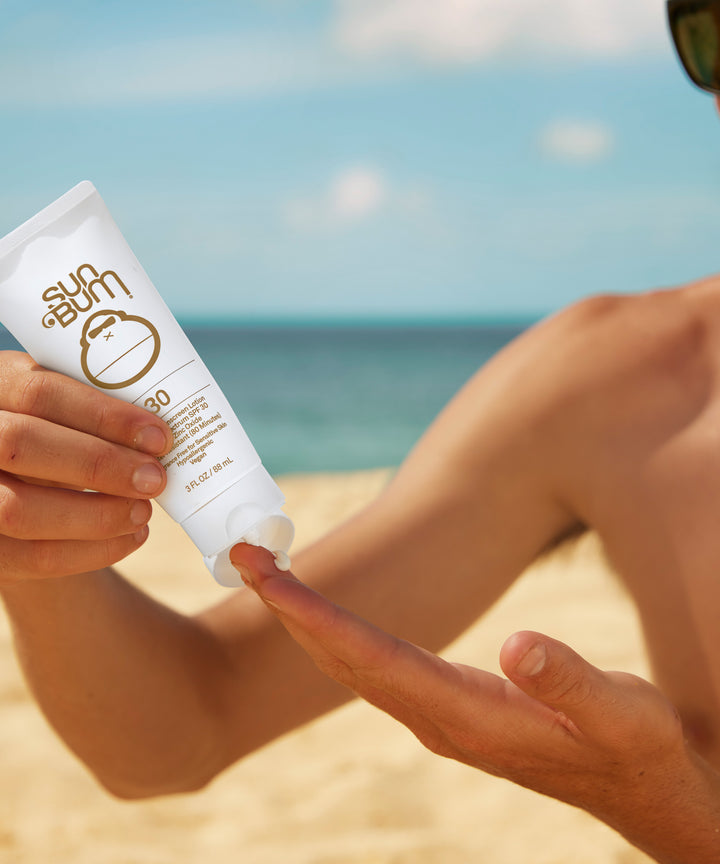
x=352 y=788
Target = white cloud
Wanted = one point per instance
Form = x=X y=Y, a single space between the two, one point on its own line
x=577 y=140
x=356 y=193
x=353 y=195
x=471 y=30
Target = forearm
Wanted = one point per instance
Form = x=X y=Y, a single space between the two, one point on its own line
x=126 y=682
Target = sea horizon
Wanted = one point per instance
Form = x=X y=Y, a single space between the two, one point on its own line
x=343 y=322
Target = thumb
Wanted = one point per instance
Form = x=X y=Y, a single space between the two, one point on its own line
x=554 y=674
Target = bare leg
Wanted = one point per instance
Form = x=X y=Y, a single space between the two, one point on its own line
x=469 y=510
x=605 y=416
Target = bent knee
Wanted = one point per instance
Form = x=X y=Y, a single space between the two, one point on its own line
x=629 y=375
x=644 y=358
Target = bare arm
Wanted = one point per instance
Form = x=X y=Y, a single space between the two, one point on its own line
x=135 y=689
x=125 y=681
x=92 y=647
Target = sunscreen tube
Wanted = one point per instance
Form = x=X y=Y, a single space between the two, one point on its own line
x=76 y=298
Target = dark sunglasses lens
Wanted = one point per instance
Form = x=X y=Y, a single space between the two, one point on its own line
x=698 y=42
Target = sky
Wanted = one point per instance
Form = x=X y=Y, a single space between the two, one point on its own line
x=295 y=160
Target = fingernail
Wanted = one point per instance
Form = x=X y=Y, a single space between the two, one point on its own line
x=141 y=535
x=151 y=440
x=140 y=512
x=533 y=662
x=148 y=478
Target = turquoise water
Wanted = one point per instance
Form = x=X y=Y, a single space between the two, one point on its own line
x=337 y=398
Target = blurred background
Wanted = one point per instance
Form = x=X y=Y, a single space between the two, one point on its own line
x=359 y=172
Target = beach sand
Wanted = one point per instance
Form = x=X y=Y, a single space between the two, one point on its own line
x=352 y=788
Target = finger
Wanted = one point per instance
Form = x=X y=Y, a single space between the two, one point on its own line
x=21 y=560
x=551 y=672
x=29 y=512
x=26 y=388
x=554 y=674
x=34 y=447
x=346 y=647
x=351 y=651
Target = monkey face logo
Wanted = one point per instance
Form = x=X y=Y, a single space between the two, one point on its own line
x=117 y=349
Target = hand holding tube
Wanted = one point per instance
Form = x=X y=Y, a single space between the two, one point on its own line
x=122 y=338
x=59 y=437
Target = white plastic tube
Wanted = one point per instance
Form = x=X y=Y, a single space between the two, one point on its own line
x=76 y=298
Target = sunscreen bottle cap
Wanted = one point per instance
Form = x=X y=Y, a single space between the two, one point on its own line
x=248 y=511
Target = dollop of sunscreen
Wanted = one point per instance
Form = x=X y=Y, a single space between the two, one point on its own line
x=282 y=560
x=273 y=533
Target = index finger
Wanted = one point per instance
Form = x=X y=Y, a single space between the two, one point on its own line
x=26 y=388
x=345 y=646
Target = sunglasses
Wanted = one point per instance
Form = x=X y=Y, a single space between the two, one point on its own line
x=695 y=28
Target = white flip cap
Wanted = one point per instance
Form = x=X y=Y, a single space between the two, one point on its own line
x=248 y=511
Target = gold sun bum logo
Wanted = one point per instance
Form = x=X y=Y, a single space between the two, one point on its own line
x=116 y=348
x=77 y=294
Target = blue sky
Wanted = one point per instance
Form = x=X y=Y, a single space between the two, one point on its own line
x=305 y=159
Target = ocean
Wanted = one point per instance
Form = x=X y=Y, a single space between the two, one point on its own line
x=346 y=397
